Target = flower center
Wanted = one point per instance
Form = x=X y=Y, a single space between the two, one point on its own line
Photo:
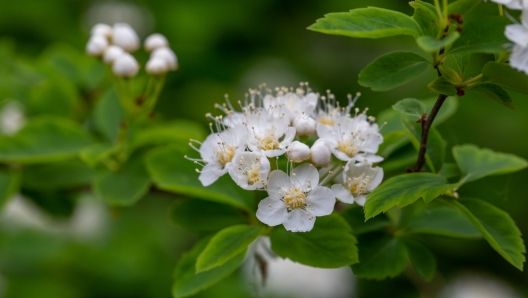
x=358 y=185
x=326 y=120
x=253 y=173
x=294 y=198
x=348 y=147
x=269 y=141
x=225 y=153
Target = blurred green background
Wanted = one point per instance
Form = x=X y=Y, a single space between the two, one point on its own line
x=223 y=46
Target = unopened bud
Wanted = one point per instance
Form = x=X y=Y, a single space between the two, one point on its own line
x=304 y=125
x=156 y=66
x=321 y=154
x=125 y=37
x=103 y=30
x=298 y=152
x=125 y=66
x=111 y=53
x=155 y=41
x=96 y=45
x=167 y=55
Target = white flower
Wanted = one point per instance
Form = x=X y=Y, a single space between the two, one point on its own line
x=295 y=200
x=269 y=135
x=103 y=30
x=358 y=180
x=304 y=125
x=111 y=53
x=321 y=155
x=298 y=152
x=513 y=4
x=352 y=138
x=291 y=104
x=250 y=170
x=12 y=118
x=518 y=34
x=155 y=41
x=218 y=150
x=125 y=37
x=167 y=55
x=156 y=66
x=96 y=45
x=125 y=65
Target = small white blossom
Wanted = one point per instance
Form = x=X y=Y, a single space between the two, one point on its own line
x=513 y=4
x=518 y=34
x=250 y=170
x=167 y=55
x=12 y=118
x=125 y=65
x=96 y=45
x=321 y=155
x=358 y=180
x=304 y=125
x=125 y=37
x=111 y=53
x=269 y=135
x=155 y=41
x=298 y=152
x=295 y=200
x=103 y=30
x=291 y=104
x=156 y=66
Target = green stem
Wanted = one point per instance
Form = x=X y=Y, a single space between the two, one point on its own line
x=446 y=11
x=439 y=12
x=501 y=10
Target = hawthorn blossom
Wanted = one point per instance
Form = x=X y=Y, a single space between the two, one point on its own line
x=250 y=170
x=295 y=200
x=269 y=135
x=291 y=104
x=357 y=181
x=513 y=4
x=518 y=34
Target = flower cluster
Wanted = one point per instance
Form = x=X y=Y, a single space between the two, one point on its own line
x=115 y=45
x=248 y=143
x=518 y=34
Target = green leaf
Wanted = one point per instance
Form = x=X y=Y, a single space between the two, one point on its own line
x=393 y=141
x=92 y=155
x=380 y=256
x=425 y=15
x=421 y=258
x=371 y=22
x=175 y=132
x=450 y=74
x=403 y=190
x=503 y=75
x=463 y=6
x=58 y=97
x=59 y=175
x=204 y=216
x=392 y=70
x=497 y=227
x=449 y=170
x=439 y=219
x=188 y=282
x=125 y=186
x=461 y=61
x=483 y=35
x=356 y=218
x=225 y=245
x=436 y=146
x=108 y=115
x=170 y=171
x=475 y=163
x=441 y=86
x=329 y=245
x=410 y=106
x=432 y=45
x=9 y=185
x=42 y=140
x=494 y=92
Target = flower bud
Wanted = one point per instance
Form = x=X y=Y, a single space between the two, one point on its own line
x=321 y=154
x=96 y=45
x=111 y=53
x=155 y=41
x=167 y=55
x=103 y=30
x=156 y=66
x=125 y=37
x=125 y=66
x=304 y=125
x=298 y=152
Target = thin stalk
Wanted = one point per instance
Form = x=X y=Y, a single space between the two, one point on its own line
x=501 y=10
x=439 y=12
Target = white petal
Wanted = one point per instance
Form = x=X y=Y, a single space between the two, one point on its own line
x=271 y=153
x=519 y=59
x=298 y=221
x=518 y=34
x=321 y=201
x=301 y=174
x=376 y=180
x=271 y=211
x=288 y=137
x=370 y=158
x=210 y=173
x=278 y=180
x=361 y=199
x=342 y=193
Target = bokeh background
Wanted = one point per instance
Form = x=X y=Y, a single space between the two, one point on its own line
x=228 y=46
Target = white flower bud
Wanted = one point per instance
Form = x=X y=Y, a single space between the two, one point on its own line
x=156 y=66
x=167 y=55
x=125 y=66
x=125 y=37
x=298 y=152
x=103 y=30
x=111 y=53
x=304 y=125
x=321 y=154
x=155 y=41
x=96 y=45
